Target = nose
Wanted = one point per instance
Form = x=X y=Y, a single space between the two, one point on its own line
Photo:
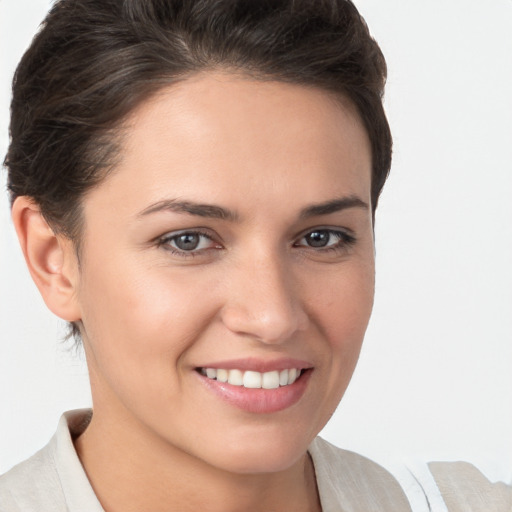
x=263 y=302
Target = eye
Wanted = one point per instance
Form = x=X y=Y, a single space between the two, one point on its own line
x=325 y=239
x=187 y=242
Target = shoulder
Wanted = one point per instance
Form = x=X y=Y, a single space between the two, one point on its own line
x=465 y=489
x=347 y=479
x=52 y=479
x=32 y=483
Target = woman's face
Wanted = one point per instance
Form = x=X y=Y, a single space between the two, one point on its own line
x=234 y=239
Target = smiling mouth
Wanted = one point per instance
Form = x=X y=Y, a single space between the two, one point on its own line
x=252 y=379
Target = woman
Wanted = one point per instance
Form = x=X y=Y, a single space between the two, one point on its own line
x=194 y=187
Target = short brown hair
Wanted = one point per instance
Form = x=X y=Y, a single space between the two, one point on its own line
x=94 y=61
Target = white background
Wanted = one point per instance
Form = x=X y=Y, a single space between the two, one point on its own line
x=434 y=380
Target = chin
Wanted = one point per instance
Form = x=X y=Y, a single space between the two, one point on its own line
x=259 y=453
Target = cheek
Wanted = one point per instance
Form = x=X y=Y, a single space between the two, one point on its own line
x=140 y=325
x=343 y=312
x=344 y=305
x=149 y=316
x=339 y=312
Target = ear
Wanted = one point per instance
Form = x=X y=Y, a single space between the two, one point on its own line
x=50 y=258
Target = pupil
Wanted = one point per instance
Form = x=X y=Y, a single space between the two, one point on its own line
x=187 y=242
x=318 y=238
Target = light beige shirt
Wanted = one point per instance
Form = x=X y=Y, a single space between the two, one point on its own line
x=53 y=480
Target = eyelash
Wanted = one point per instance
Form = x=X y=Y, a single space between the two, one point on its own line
x=345 y=240
x=165 y=241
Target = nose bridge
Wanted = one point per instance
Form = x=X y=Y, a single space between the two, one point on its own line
x=263 y=301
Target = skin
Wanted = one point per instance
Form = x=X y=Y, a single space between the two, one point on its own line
x=256 y=288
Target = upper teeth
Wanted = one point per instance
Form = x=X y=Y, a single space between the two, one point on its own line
x=251 y=379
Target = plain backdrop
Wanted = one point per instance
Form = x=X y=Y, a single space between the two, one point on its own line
x=434 y=379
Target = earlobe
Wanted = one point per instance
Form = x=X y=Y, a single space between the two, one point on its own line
x=50 y=258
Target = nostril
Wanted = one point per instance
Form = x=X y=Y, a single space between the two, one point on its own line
x=263 y=302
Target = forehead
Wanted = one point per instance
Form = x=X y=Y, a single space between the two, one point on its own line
x=215 y=133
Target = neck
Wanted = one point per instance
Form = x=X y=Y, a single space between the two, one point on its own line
x=131 y=469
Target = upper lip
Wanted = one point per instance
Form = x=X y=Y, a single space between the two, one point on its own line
x=258 y=365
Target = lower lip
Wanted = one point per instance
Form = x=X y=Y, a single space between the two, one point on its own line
x=259 y=400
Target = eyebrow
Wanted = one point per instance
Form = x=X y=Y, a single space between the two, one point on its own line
x=199 y=209
x=218 y=212
x=333 y=206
